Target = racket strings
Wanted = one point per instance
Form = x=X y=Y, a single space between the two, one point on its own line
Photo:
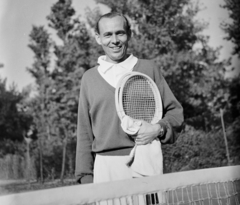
x=138 y=99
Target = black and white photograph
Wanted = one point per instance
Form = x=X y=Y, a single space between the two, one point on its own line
x=120 y=102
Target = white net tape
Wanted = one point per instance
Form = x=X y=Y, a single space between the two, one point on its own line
x=204 y=187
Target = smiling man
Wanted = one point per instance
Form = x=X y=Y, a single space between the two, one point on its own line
x=102 y=146
x=113 y=35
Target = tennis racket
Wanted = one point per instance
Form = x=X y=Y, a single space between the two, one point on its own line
x=138 y=97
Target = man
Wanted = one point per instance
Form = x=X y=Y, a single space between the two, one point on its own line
x=102 y=145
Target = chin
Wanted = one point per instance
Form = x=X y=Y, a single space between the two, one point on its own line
x=118 y=58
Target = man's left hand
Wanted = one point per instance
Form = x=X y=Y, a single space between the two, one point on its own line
x=147 y=133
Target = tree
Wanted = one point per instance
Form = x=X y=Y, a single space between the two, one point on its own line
x=166 y=32
x=12 y=121
x=40 y=44
x=73 y=58
x=233 y=34
x=160 y=26
x=232 y=29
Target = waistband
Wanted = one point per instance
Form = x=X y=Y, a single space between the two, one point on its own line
x=118 y=152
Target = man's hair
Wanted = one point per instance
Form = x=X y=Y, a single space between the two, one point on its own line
x=112 y=15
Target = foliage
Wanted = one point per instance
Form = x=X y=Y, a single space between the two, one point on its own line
x=40 y=44
x=235 y=98
x=196 y=149
x=13 y=167
x=232 y=114
x=199 y=86
x=165 y=31
x=73 y=57
x=159 y=27
x=233 y=34
x=232 y=28
x=12 y=122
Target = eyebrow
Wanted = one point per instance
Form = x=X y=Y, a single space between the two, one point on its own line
x=117 y=32
x=107 y=33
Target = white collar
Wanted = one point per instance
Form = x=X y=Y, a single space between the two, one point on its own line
x=128 y=63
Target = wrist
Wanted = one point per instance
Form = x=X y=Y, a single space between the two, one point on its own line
x=159 y=131
x=162 y=130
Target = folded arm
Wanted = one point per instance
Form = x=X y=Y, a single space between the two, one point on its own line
x=171 y=123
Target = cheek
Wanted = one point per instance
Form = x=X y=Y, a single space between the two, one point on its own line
x=105 y=42
x=124 y=40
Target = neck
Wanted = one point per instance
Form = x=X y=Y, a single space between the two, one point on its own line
x=119 y=61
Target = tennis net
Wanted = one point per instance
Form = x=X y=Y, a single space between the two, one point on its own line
x=204 y=187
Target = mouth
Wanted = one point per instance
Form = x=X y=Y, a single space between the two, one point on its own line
x=116 y=48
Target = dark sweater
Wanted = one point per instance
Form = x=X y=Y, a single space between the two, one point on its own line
x=99 y=127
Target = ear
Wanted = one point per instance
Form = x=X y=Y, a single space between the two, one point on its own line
x=97 y=37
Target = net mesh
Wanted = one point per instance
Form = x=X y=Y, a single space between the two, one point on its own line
x=218 y=186
x=138 y=99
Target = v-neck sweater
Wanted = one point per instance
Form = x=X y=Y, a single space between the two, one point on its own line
x=99 y=127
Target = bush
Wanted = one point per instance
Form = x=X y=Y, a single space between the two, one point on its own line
x=196 y=149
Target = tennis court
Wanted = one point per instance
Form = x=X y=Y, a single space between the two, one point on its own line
x=215 y=186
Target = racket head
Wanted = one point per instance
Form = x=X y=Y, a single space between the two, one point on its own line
x=138 y=97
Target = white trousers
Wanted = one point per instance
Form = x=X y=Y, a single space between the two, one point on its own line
x=111 y=168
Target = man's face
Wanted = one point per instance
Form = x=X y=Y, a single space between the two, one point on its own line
x=113 y=38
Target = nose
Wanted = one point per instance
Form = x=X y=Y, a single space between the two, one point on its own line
x=115 y=39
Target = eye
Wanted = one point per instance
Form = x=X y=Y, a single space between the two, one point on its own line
x=121 y=33
x=107 y=35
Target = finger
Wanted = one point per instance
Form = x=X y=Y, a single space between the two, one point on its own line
x=139 y=143
x=142 y=137
x=142 y=141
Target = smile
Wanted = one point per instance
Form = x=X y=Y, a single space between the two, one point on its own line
x=116 y=48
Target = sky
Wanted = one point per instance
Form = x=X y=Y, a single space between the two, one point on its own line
x=18 y=16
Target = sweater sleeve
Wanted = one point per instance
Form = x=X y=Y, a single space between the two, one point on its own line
x=84 y=155
x=172 y=120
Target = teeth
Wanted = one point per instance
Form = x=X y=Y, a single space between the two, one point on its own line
x=116 y=48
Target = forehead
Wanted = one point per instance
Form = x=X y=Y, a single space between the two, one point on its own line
x=111 y=24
